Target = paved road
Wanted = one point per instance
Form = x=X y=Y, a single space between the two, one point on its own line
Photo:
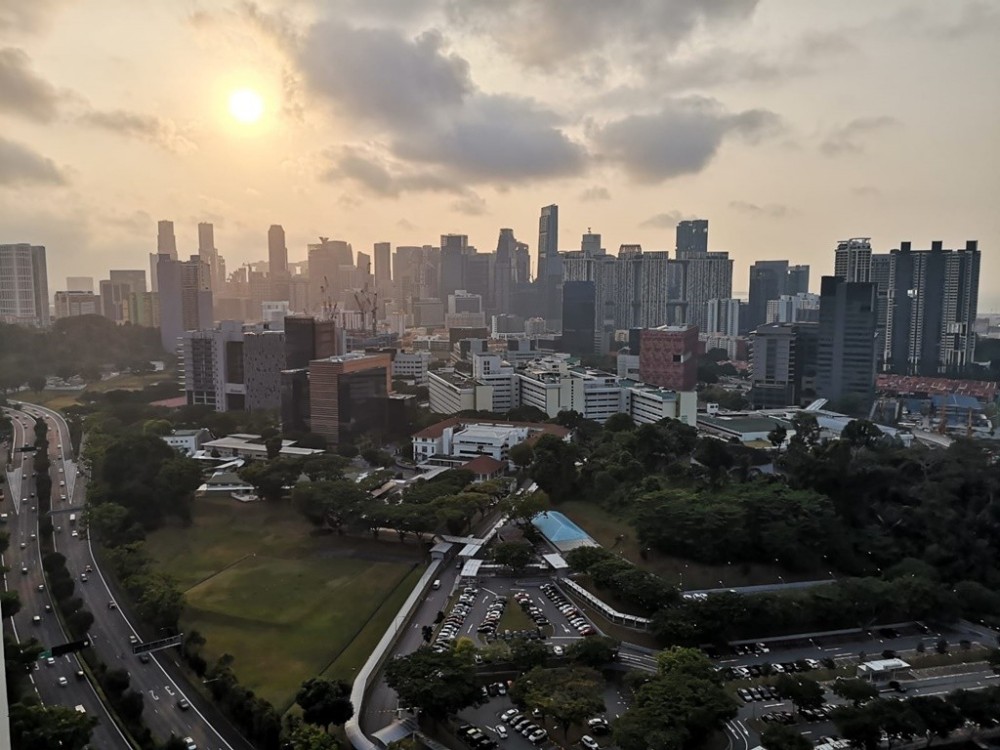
x=22 y=526
x=160 y=680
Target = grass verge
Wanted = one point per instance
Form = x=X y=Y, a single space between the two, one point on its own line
x=285 y=603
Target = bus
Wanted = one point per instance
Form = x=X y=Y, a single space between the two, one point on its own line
x=72 y=519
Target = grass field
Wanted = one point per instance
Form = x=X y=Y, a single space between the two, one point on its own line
x=617 y=534
x=56 y=399
x=287 y=604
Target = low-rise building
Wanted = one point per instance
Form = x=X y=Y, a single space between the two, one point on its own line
x=188 y=442
x=244 y=445
x=411 y=366
x=455 y=441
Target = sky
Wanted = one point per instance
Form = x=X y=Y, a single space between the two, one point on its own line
x=789 y=124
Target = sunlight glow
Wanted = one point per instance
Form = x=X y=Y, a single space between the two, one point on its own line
x=246 y=106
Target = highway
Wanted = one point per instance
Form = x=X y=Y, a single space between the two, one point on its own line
x=159 y=680
x=24 y=555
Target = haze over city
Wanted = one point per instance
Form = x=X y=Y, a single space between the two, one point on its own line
x=790 y=125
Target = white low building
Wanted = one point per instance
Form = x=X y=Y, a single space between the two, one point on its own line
x=188 y=442
x=465 y=440
x=252 y=446
x=411 y=366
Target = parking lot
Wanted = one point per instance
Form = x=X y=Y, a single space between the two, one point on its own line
x=490 y=596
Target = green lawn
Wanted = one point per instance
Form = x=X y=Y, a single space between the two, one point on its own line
x=287 y=604
x=606 y=529
x=56 y=399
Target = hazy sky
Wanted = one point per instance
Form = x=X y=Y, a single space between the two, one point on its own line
x=789 y=124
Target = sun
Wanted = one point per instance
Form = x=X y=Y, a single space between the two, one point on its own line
x=246 y=106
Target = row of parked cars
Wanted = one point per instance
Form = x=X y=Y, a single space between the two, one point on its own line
x=452 y=625
x=766 y=670
x=524 y=725
x=476 y=738
x=535 y=613
x=575 y=617
x=494 y=612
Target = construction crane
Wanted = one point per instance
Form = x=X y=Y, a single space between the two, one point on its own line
x=328 y=308
x=367 y=300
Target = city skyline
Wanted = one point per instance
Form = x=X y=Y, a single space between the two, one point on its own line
x=96 y=151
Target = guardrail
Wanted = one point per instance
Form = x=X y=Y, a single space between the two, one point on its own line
x=630 y=621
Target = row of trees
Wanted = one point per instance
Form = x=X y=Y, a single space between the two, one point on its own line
x=631 y=584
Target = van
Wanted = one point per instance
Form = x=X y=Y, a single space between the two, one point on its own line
x=437 y=584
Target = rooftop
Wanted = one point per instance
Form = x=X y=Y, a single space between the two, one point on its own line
x=484 y=465
x=437 y=430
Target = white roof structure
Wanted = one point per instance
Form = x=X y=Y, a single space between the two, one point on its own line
x=556 y=562
x=471 y=568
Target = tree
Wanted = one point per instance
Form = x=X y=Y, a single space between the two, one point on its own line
x=554 y=468
x=855 y=691
x=37 y=383
x=514 y=555
x=780 y=737
x=862 y=433
x=595 y=652
x=10 y=603
x=859 y=726
x=335 y=503
x=619 y=422
x=897 y=718
x=270 y=478
x=715 y=457
x=567 y=694
x=522 y=508
x=34 y=727
x=806 y=429
x=325 y=702
x=981 y=707
x=302 y=736
x=801 y=691
x=777 y=436
x=438 y=684
x=522 y=455
x=526 y=654
x=939 y=717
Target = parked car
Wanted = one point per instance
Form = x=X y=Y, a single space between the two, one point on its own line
x=589 y=742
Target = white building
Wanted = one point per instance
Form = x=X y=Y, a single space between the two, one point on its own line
x=24 y=285
x=274 y=313
x=252 y=446
x=463 y=440
x=648 y=404
x=187 y=442
x=451 y=392
x=628 y=365
x=493 y=371
x=411 y=366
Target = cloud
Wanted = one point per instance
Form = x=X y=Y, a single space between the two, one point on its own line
x=471 y=205
x=976 y=18
x=547 y=34
x=367 y=168
x=405 y=224
x=496 y=137
x=769 y=210
x=20 y=166
x=665 y=220
x=595 y=193
x=27 y=16
x=159 y=131
x=866 y=191
x=379 y=75
x=849 y=138
x=682 y=138
x=22 y=91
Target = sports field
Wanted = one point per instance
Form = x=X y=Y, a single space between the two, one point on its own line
x=287 y=604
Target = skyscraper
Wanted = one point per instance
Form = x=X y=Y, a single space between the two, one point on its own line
x=692 y=238
x=798 y=280
x=578 y=316
x=550 y=269
x=185 y=298
x=768 y=281
x=784 y=365
x=325 y=277
x=24 y=285
x=115 y=292
x=932 y=307
x=277 y=252
x=723 y=317
x=846 y=349
x=706 y=276
x=451 y=273
x=166 y=242
x=383 y=269
x=503 y=271
x=853 y=259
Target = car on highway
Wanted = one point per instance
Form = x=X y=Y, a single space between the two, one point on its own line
x=83 y=578
x=50 y=662
x=112 y=605
x=24 y=570
x=36 y=620
x=23 y=545
x=189 y=744
x=183 y=704
x=63 y=682
x=41 y=587
x=74 y=534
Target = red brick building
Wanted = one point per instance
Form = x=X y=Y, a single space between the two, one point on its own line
x=668 y=357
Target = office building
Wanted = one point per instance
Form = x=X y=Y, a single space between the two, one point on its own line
x=451 y=271
x=306 y=339
x=71 y=304
x=411 y=366
x=349 y=393
x=295 y=400
x=185 y=298
x=668 y=357
x=503 y=271
x=784 y=365
x=798 y=280
x=263 y=361
x=213 y=365
x=578 y=317
x=502 y=326
x=768 y=281
x=723 y=317
x=465 y=310
x=522 y=264
x=144 y=309
x=328 y=260
x=80 y=284
x=24 y=285
x=550 y=266
x=853 y=259
x=934 y=300
x=115 y=293
x=692 y=238
x=846 y=350
x=364 y=264
x=428 y=313
x=166 y=241
x=798 y=308
x=277 y=264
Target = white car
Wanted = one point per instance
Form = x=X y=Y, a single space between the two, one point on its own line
x=589 y=742
x=189 y=744
x=501 y=731
x=50 y=661
x=63 y=682
x=74 y=534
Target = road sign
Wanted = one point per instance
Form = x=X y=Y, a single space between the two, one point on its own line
x=145 y=648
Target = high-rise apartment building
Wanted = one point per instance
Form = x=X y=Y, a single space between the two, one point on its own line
x=768 y=281
x=881 y=276
x=185 y=298
x=263 y=361
x=213 y=366
x=932 y=308
x=706 y=276
x=71 y=304
x=853 y=259
x=144 y=309
x=846 y=350
x=80 y=284
x=692 y=238
x=723 y=317
x=784 y=365
x=24 y=285
x=668 y=357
